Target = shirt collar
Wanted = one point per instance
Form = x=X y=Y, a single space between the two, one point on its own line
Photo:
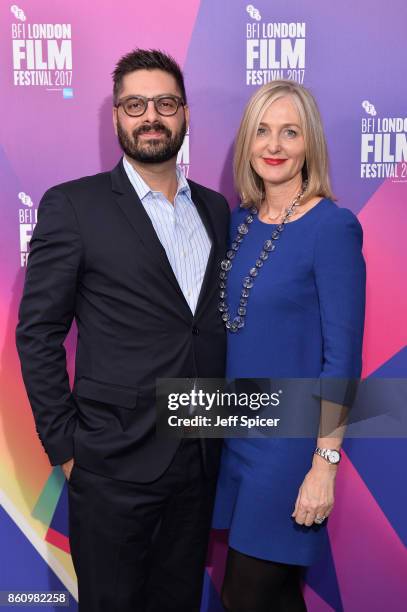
x=141 y=187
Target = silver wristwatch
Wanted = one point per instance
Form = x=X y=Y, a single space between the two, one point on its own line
x=332 y=456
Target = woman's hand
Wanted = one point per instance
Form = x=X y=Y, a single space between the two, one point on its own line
x=316 y=495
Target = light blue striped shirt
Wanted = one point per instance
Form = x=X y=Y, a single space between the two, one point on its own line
x=179 y=229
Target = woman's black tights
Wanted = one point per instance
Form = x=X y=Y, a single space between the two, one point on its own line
x=255 y=585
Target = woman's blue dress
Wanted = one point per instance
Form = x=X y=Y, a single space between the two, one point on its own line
x=304 y=319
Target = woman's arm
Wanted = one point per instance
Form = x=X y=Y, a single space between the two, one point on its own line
x=340 y=278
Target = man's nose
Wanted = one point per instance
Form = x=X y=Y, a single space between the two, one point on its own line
x=151 y=114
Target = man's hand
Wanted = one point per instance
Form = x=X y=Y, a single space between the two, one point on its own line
x=67 y=468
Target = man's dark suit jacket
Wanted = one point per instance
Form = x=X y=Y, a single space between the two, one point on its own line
x=95 y=257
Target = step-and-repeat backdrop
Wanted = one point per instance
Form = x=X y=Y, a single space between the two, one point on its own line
x=56 y=60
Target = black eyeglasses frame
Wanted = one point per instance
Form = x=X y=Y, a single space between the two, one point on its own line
x=180 y=102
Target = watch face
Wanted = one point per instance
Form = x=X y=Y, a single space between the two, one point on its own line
x=334 y=456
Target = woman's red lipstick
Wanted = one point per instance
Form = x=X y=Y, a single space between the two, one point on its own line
x=271 y=161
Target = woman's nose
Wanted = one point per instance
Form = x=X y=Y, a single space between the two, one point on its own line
x=274 y=144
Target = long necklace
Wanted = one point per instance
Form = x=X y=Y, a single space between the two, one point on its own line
x=238 y=321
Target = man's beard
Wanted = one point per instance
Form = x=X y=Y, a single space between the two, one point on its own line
x=154 y=151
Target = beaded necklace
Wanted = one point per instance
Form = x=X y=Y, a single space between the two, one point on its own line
x=238 y=321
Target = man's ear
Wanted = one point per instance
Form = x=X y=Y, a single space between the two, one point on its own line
x=114 y=117
x=187 y=115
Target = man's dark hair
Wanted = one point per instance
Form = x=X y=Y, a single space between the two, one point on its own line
x=146 y=59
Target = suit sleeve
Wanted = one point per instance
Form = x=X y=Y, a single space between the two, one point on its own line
x=340 y=277
x=45 y=317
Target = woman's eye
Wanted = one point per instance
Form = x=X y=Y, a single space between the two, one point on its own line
x=291 y=133
x=261 y=131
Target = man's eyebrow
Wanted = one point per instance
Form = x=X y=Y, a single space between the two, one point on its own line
x=165 y=95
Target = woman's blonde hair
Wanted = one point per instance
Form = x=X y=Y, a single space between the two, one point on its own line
x=248 y=183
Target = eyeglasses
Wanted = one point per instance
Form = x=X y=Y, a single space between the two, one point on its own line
x=135 y=106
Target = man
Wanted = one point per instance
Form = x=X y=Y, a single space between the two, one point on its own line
x=133 y=255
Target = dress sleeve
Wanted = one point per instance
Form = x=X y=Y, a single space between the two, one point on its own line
x=340 y=277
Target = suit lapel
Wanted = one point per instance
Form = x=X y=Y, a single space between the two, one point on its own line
x=129 y=202
x=207 y=220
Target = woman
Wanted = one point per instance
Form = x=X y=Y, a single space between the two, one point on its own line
x=292 y=297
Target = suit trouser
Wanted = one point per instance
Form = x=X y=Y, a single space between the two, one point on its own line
x=142 y=547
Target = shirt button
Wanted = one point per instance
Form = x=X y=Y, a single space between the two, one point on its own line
x=195 y=331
